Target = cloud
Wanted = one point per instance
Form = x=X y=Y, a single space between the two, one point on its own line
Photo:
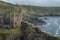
x=3 y=0
x=36 y=2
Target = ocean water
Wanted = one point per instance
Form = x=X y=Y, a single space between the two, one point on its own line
x=52 y=26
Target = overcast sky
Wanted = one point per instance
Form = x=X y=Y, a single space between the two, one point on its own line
x=36 y=2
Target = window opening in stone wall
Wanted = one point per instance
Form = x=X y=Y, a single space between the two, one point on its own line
x=15 y=23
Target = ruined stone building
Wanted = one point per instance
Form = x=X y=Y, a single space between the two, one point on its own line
x=14 y=20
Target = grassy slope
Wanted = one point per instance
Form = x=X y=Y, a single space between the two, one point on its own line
x=7 y=7
x=4 y=6
x=9 y=31
x=42 y=10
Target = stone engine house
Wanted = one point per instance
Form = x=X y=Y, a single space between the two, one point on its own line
x=15 y=19
x=13 y=22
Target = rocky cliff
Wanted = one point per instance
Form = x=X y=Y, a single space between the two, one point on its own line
x=29 y=32
x=33 y=33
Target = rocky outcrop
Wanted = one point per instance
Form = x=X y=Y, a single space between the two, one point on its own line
x=33 y=33
x=28 y=33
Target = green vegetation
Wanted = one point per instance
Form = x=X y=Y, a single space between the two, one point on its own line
x=6 y=8
x=43 y=10
x=9 y=31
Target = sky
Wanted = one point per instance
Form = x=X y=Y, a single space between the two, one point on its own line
x=36 y=2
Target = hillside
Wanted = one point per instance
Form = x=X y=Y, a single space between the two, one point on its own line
x=42 y=10
x=4 y=7
x=7 y=7
x=31 y=13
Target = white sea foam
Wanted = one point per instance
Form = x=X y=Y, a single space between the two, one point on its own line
x=56 y=21
x=57 y=31
x=47 y=24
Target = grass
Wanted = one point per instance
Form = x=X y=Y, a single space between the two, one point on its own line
x=9 y=31
x=6 y=8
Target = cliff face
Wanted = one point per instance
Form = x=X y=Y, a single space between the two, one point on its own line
x=31 y=33
x=28 y=33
